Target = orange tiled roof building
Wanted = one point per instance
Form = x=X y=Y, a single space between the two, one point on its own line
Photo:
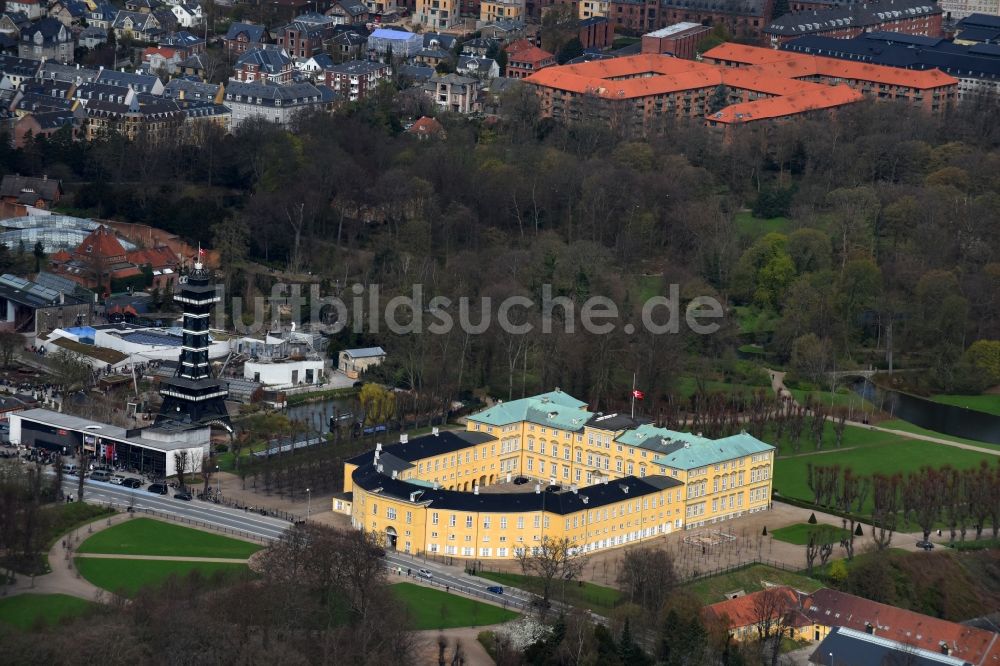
x=735 y=84
x=101 y=258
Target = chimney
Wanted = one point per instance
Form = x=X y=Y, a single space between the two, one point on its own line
x=395 y=473
x=573 y=488
x=604 y=480
x=435 y=431
x=62 y=298
x=869 y=628
x=404 y=438
x=475 y=489
x=378 y=446
x=945 y=650
x=538 y=488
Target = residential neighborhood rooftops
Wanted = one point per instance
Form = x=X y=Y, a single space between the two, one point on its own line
x=675 y=29
x=254 y=33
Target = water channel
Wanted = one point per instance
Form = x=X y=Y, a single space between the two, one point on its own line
x=946 y=419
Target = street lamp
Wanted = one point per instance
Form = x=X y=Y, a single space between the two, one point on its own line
x=308 y=502
x=218 y=482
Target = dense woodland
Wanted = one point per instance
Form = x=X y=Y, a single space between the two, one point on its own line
x=884 y=248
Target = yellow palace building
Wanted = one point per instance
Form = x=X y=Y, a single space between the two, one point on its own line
x=602 y=480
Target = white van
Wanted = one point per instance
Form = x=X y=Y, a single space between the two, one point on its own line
x=117 y=479
x=70 y=470
x=100 y=475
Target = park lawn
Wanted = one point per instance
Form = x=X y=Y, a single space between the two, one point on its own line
x=854 y=437
x=895 y=454
x=433 y=609
x=597 y=598
x=754 y=227
x=748 y=579
x=129 y=576
x=27 y=610
x=989 y=403
x=899 y=424
x=798 y=534
x=144 y=536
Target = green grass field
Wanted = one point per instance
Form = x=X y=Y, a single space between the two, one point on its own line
x=876 y=452
x=433 y=609
x=747 y=224
x=129 y=576
x=799 y=534
x=749 y=579
x=595 y=597
x=27 y=610
x=144 y=536
x=989 y=403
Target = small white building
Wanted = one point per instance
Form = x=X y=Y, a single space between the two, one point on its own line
x=353 y=362
x=285 y=373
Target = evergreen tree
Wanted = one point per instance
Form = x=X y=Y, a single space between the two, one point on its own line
x=628 y=650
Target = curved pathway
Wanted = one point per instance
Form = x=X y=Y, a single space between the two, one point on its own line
x=65 y=579
x=778 y=386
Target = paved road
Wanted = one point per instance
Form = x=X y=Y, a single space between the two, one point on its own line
x=251 y=524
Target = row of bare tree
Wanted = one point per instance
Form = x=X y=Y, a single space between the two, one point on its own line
x=961 y=499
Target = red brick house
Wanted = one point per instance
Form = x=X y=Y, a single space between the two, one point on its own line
x=266 y=65
x=242 y=37
x=356 y=79
x=97 y=261
x=745 y=19
x=164 y=262
x=679 y=40
x=524 y=59
x=634 y=16
x=597 y=32
x=300 y=40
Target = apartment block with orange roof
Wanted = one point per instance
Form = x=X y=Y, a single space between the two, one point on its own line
x=931 y=90
x=755 y=84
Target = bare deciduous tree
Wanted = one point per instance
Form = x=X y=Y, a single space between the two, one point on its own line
x=553 y=559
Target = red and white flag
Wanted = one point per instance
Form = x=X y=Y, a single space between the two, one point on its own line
x=638 y=395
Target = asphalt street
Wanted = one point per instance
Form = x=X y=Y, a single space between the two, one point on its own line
x=252 y=524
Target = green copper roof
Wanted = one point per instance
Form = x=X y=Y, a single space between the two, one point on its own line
x=711 y=451
x=644 y=435
x=554 y=409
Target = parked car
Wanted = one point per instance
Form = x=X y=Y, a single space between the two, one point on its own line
x=520 y=480
x=424 y=573
x=100 y=475
x=132 y=483
x=117 y=479
x=183 y=495
x=70 y=470
x=926 y=545
x=495 y=589
x=158 y=488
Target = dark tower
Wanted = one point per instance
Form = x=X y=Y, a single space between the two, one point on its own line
x=193 y=395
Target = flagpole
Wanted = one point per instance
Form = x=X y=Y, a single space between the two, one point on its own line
x=633 y=395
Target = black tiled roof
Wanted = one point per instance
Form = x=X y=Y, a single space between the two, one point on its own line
x=562 y=503
x=428 y=446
